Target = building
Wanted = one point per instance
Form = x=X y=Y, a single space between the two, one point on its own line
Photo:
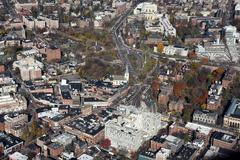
x=52 y=54
x=224 y=140
x=15 y=124
x=64 y=139
x=25 y=5
x=56 y=121
x=130 y=131
x=85 y=157
x=118 y=80
x=147 y=155
x=228 y=78
x=30 y=68
x=155 y=22
x=169 y=142
x=214 y=96
x=7 y=85
x=163 y=154
x=176 y=129
x=41 y=22
x=205 y=117
x=211 y=153
x=200 y=131
x=86 y=129
x=17 y=156
x=12 y=103
x=28 y=22
x=53 y=150
x=145 y=8
x=187 y=152
x=176 y=106
x=175 y=50
x=232 y=116
x=120 y=6
x=9 y=143
x=157 y=142
x=2 y=68
x=166 y=89
x=237 y=11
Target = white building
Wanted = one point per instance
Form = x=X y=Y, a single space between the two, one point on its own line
x=85 y=157
x=64 y=139
x=17 y=156
x=145 y=8
x=163 y=154
x=169 y=30
x=101 y=17
x=7 y=85
x=41 y=22
x=155 y=22
x=231 y=35
x=130 y=131
x=220 y=51
x=29 y=68
x=199 y=128
x=175 y=50
x=118 y=80
x=12 y=103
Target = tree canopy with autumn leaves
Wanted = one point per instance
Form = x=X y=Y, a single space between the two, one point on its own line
x=160 y=47
x=194 y=86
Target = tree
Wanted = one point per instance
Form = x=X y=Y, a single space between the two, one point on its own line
x=160 y=47
x=81 y=71
x=204 y=106
x=187 y=114
x=220 y=71
x=192 y=55
x=204 y=61
x=186 y=137
x=106 y=143
x=2 y=31
x=34 y=11
x=178 y=88
x=155 y=88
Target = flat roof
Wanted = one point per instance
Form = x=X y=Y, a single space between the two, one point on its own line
x=54 y=145
x=224 y=137
x=86 y=124
x=149 y=154
x=66 y=95
x=9 y=140
x=185 y=153
x=198 y=127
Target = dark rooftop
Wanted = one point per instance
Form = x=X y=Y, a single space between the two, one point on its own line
x=9 y=140
x=149 y=154
x=158 y=139
x=224 y=137
x=185 y=153
x=66 y=95
x=86 y=124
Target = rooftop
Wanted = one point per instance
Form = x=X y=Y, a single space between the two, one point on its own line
x=86 y=124
x=234 y=108
x=185 y=153
x=224 y=137
x=54 y=145
x=149 y=154
x=158 y=139
x=199 y=128
x=18 y=156
x=9 y=140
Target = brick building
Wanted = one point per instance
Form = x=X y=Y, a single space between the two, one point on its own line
x=86 y=128
x=223 y=140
